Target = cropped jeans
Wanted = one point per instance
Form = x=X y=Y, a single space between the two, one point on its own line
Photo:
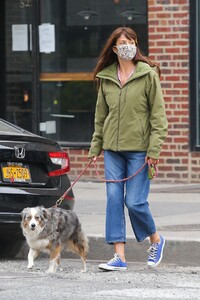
x=133 y=193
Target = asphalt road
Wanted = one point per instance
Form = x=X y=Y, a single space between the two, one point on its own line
x=138 y=282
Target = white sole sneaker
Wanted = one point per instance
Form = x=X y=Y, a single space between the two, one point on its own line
x=111 y=268
x=160 y=259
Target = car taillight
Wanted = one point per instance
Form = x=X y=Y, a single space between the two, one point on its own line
x=62 y=160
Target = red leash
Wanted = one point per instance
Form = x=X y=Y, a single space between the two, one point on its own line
x=59 y=201
x=118 y=180
x=152 y=173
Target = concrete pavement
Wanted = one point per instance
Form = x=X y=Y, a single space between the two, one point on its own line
x=176 y=211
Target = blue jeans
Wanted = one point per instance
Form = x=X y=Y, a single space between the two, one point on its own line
x=133 y=193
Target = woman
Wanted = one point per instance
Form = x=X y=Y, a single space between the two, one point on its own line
x=130 y=126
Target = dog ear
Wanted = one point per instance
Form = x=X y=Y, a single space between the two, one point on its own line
x=44 y=211
x=24 y=212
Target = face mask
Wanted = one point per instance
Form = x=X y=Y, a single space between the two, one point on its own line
x=126 y=51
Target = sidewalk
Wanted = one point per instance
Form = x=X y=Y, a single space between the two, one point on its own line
x=176 y=211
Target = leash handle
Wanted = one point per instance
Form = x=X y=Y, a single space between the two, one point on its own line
x=152 y=170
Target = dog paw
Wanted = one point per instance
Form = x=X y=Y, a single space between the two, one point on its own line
x=30 y=266
x=84 y=271
x=49 y=271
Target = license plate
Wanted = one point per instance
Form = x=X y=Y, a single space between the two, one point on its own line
x=15 y=172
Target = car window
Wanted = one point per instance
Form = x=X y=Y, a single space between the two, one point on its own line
x=6 y=127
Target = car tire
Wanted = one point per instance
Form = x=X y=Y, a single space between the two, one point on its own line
x=10 y=248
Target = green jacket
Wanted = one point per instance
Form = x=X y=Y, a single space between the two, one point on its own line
x=132 y=117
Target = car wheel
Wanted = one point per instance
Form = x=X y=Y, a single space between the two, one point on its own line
x=9 y=249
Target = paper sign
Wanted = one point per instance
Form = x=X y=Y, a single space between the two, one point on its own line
x=20 y=37
x=47 y=38
x=50 y=127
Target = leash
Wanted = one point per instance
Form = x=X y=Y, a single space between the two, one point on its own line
x=60 y=200
x=118 y=180
x=152 y=173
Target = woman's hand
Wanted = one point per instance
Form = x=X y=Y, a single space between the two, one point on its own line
x=151 y=160
x=94 y=158
x=152 y=167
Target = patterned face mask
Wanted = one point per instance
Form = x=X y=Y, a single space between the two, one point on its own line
x=126 y=51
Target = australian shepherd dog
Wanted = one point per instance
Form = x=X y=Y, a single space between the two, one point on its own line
x=53 y=230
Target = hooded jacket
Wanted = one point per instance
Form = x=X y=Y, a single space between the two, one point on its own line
x=132 y=117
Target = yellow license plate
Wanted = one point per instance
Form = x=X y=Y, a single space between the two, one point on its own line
x=15 y=173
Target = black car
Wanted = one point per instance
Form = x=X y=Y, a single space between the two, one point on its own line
x=32 y=172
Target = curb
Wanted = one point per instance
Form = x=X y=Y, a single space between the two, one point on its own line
x=184 y=253
x=175 y=252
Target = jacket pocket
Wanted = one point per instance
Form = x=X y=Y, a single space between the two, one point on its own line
x=143 y=132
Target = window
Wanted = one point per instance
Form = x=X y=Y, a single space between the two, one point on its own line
x=68 y=111
x=79 y=37
x=195 y=75
x=18 y=66
x=68 y=94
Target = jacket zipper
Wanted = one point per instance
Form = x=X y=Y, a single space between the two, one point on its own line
x=118 y=120
x=126 y=88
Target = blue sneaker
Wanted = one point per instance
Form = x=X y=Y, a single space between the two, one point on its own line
x=115 y=264
x=156 y=253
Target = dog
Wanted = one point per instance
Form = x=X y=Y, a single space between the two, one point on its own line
x=53 y=230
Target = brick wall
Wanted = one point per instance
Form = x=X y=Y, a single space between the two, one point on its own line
x=169 y=46
x=79 y=160
x=168 y=23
